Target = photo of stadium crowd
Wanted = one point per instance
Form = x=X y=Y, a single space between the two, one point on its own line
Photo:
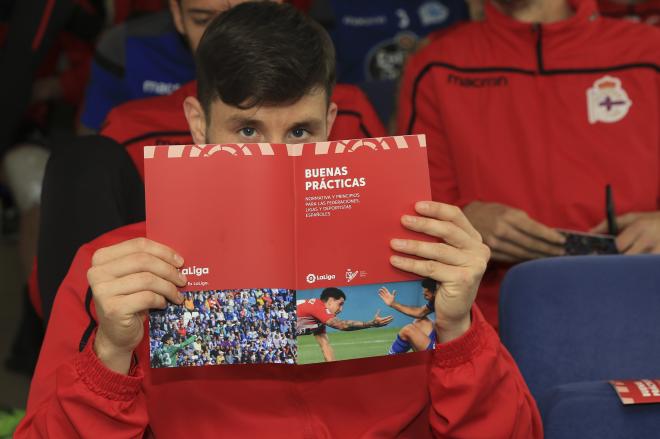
x=225 y=327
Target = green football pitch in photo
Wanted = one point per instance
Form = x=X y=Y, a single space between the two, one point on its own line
x=348 y=345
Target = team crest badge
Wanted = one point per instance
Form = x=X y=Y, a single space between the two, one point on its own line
x=433 y=13
x=607 y=101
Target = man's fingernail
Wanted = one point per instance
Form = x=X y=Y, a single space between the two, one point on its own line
x=422 y=205
x=183 y=277
x=399 y=243
x=408 y=219
x=178 y=259
x=396 y=260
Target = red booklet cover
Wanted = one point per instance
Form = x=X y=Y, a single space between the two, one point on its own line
x=637 y=391
x=268 y=231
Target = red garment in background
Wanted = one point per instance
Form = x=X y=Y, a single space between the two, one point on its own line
x=522 y=115
x=468 y=388
x=644 y=12
x=160 y=120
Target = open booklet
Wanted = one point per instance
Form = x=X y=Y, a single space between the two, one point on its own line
x=287 y=250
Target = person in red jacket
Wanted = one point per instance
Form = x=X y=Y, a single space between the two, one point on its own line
x=151 y=121
x=529 y=115
x=265 y=75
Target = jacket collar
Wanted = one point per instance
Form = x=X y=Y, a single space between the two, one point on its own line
x=585 y=11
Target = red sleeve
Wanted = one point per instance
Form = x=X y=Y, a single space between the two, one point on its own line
x=419 y=112
x=72 y=393
x=320 y=312
x=477 y=390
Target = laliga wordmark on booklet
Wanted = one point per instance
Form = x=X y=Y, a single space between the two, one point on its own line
x=259 y=223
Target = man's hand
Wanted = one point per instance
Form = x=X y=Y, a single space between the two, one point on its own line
x=458 y=263
x=127 y=280
x=640 y=232
x=511 y=234
x=379 y=321
x=388 y=298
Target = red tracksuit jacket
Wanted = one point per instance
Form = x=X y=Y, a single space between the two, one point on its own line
x=539 y=117
x=468 y=388
x=160 y=120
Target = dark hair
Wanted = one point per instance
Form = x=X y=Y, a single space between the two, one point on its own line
x=430 y=284
x=263 y=53
x=333 y=292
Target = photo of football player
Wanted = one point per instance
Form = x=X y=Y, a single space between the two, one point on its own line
x=420 y=334
x=313 y=315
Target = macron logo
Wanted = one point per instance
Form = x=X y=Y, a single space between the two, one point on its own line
x=159 y=88
x=195 y=271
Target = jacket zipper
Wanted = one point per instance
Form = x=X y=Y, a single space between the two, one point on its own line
x=538 y=30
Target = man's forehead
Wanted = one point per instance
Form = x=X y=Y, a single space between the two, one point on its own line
x=312 y=106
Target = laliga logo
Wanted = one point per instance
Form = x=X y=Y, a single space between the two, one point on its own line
x=311 y=278
x=350 y=275
x=195 y=271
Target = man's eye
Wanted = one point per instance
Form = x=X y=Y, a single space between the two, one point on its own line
x=298 y=132
x=201 y=21
x=248 y=132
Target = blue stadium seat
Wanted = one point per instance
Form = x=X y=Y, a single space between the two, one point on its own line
x=584 y=318
x=591 y=410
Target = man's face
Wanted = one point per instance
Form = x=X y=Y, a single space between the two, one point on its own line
x=192 y=16
x=309 y=119
x=335 y=306
x=428 y=294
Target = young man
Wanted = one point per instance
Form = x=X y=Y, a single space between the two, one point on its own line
x=266 y=74
x=420 y=334
x=315 y=314
x=529 y=115
x=152 y=121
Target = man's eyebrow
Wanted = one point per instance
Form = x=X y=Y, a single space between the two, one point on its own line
x=311 y=122
x=242 y=120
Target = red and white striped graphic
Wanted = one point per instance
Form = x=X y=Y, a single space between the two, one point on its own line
x=292 y=150
x=637 y=391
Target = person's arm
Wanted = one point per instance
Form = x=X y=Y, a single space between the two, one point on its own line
x=106 y=88
x=73 y=394
x=416 y=312
x=476 y=388
x=324 y=344
x=355 y=325
x=177 y=347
